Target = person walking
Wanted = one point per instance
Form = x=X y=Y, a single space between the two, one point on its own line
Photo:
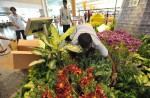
x=65 y=19
x=85 y=16
x=16 y=21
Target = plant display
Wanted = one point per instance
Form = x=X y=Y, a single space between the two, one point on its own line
x=57 y=75
x=132 y=66
x=120 y=44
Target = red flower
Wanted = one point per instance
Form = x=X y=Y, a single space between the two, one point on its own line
x=64 y=71
x=98 y=89
x=46 y=94
x=60 y=73
x=99 y=92
x=90 y=95
x=60 y=85
x=63 y=90
x=89 y=70
x=62 y=78
x=84 y=82
x=73 y=67
x=90 y=76
x=39 y=86
x=78 y=71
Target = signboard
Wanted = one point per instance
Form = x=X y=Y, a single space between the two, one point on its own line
x=133 y=3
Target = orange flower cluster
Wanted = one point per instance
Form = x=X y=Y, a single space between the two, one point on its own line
x=63 y=90
x=64 y=87
x=46 y=94
x=86 y=80
x=98 y=94
x=75 y=70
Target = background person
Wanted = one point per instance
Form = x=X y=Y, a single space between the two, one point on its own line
x=85 y=16
x=65 y=18
x=16 y=21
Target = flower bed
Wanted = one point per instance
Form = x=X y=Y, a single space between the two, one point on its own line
x=58 y=76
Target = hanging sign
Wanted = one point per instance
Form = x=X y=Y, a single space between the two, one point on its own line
x=133 y=3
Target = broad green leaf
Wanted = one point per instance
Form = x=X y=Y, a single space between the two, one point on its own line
x=67 y=33
x=148 y=69
x=139 y=57
x=26 y=95
x=29 y=85
x=74 y=48
x=145 y=79
x=148 y=75
x=41 y=44
x=52 y=64
x=43 y=37
x=37 y=62
x=120 y=84
x=36 y=52
x=147 y=84
x=54 y=38
x=98 y=73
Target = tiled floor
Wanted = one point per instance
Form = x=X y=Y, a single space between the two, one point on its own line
x=10 y=78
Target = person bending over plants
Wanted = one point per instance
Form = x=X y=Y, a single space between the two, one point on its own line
x=85 y=36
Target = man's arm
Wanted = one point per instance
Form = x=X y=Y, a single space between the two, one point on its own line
x=114 y=75
x=5 y=38
x=71 y=20
x=113 y=65
x=60 y=18
x=12 y=24
x=23 y=19
x=60 y=21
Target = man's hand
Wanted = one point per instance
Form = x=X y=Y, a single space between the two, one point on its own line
x=17 y=27
x=12 y=39
x=61 y=24
x=2 y=51
x=113 y=79
x=72 y=24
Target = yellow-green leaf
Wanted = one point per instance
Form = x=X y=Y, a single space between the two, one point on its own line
x=37 y=62
x=67 y=33
x=41 y=44
x=74 y=48
x=52 y=64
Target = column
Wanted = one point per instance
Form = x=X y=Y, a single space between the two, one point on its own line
x=73 y=5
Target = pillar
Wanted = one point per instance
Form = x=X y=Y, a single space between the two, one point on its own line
x=44 y=7
x=84 y=5
x=73 y=5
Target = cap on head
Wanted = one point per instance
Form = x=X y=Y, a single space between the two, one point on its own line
x=12 y=8
x=64 y=1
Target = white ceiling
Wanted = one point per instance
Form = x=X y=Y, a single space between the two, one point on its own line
x=55 y=2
